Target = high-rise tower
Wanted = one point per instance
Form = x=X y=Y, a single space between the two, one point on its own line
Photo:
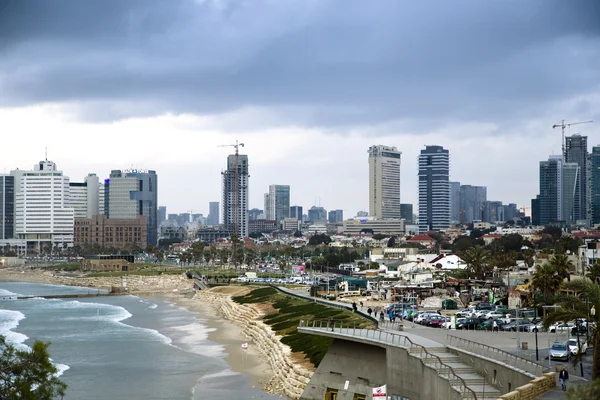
x=384 y=182
x=235 y=195
x=434 y=189
x=279 y=202
x=576 y=152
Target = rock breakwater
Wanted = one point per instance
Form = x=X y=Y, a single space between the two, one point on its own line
x=289 y=376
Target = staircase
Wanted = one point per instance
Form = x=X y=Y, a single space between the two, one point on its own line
x=472 y=380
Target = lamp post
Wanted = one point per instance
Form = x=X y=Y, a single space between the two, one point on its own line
x=535 y=330
x=578 y=324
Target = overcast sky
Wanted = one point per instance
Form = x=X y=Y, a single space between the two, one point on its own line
x=306 y=85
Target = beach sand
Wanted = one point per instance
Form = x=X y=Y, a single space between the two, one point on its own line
x=248 y=362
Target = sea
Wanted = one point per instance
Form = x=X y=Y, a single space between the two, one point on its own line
x=123 y=347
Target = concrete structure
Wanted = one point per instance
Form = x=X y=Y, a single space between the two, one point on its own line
x=84 y=197
x=290 y=225
x=576 y=152
x=132 y=193
x=383 y=226
x=384 y=182
x=415 y=367
x=472 y=199
x=235 y=195
x=7 y=207
x=126 y=233
x=109 y=263
x=278 y=199
x=42 y=212
x=434 y=189
x=162 y=214
x=263 y=226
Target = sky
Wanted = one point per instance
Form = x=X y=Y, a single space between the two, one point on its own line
x=306 y=85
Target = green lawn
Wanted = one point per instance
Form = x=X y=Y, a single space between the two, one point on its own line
x=290 y=310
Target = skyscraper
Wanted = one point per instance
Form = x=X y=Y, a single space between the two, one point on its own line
x=576 y=152
x=336 y=216
x=296 y=212
x=434 y=189
x=455 y=214
x=384 y=182
x=84 y=197
x=595 y=184
x=269 y=212
x=235 y=195
x=279 y=202
x=42 y=212
x=558 y=188
x=213 y=213
x=134 y=192
x=472 y=199
x=406 y=212
x=7 y=207
x=162 y=214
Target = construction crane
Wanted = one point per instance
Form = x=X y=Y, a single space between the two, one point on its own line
x=562 y=125
x=236 y=207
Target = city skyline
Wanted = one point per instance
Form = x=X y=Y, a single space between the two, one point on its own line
x=490 y=99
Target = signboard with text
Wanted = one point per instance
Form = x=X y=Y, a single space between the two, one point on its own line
x=380 y=392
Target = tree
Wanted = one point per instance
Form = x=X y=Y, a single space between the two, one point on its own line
x=562 y=264
x=297 y=234
x=588 y=391
x=587 y=295
x=391 y=242
x=593 y=272
x=367 y=230
x=28 y=374
x=547 y=281
x=477 y=259
x=319 y=238
x=462 y=244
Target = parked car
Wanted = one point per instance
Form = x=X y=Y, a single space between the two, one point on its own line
x=488 y=325
x=464 y=313
x=481 y=313
x=560 y=351
x=574 y=347
x=437 y=321
x=423 y=315
x=520 y=325
x=448 y=324
x=564 y=327
x=494 y=315
x=428 y=317
x=469 y=323
x=483 y=306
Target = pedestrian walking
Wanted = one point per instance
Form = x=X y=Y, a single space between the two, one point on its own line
x=391 y=316
x=563 y=377
x=369 y=311
x=381 y=318
x=354 y=307
x=331 y=324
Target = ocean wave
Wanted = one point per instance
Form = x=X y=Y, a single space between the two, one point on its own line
x=7 y=293
x=61 y=369
x=9 y=320
x=221 y=374
x=194 y=337
x=153 y=306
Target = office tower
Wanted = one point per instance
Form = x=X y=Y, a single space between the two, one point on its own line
x=269 y=212
x=558 y=188
x=510 y=211
x=361 y=214
x=455 y=214
x=535 y=211
x=576 y=152
x=279 y=202
x=472 y=199
x=101 y=199
x=595 y=184
x=255 y=214
x=296 y=212
x=84 y=197
x=493 y=211
x=235 y=195
x=317 y=214
x=134 y=192
x=42 y=212
x=406 y=212
x=434 y=189
x=336 y=216
x=384 y=182
x=7 y=207
x=213 y=213
x=162 y=214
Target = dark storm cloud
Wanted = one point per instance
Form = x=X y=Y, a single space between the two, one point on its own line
x=339 y=62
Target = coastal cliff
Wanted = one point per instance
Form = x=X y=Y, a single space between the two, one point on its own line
x=290 y=375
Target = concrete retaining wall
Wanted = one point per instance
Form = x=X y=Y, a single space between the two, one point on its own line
x=533 y=389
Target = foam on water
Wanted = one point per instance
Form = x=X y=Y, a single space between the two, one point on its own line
x=9 y=320
x=4 y=292
x=195 y=339
x=153 y=306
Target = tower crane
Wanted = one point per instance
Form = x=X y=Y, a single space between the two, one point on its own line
x=562 y=125
x=237 y=194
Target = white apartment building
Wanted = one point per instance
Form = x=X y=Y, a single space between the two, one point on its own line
x=84 y=197
x=42 y=210
x=383 y=226
x=384 y=182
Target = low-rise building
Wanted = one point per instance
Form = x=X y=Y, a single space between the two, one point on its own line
x=262 y=226
x=111 y=232
x=112 y=263
x=290 y=224
x=381 y=226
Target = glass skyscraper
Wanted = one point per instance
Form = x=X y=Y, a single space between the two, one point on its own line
x=434 y=189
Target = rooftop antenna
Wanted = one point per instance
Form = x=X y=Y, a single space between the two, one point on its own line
x=46 y=153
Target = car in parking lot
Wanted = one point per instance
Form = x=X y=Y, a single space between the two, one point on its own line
x=574 y=346
x=521 y=325
x=464 y=313
x=560 y=351
x=423 y=316
x=564 y=327
x=448 y=323
x=488 y=325
x=436 y=321
x=469 y=323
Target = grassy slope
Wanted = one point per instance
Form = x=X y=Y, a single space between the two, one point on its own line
x=290 y=311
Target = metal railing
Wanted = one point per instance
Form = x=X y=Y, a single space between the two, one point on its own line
x=395 y=339
x=496 y=354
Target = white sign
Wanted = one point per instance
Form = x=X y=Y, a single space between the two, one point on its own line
x=380 y=392
x=346 y=385
x=244 y=346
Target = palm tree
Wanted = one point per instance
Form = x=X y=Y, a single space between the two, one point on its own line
x=587 y=295
x=547 y=281
x=563 y=265
x=529 y=257
x=593 y=272
x=478 y=261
